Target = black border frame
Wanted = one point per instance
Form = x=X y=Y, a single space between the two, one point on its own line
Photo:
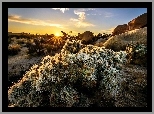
x=6 y=5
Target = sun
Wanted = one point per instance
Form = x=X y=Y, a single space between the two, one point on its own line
x=57 y=34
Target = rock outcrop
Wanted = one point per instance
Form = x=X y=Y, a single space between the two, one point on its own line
x=138 y=22
x=120 y=29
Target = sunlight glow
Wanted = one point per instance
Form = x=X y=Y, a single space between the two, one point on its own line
x=57 y=34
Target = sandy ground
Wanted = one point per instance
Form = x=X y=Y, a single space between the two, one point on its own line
x=18 y=64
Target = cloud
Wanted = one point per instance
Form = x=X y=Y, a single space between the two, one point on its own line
x=84 y=9
x=108 y=14
x=84 y=24
x=17 y=18
x=105 y=14
x=91 y=8
x=72 y=19
x=80 y=14
x=61 y=9
x=80 y=21
x=108 y=31
x=14 y=16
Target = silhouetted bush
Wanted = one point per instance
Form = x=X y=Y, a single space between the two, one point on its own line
x=31 y=47
x=13 y=49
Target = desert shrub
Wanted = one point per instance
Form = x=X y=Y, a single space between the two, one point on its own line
x=38 y=46
x=43 y=40
x=137 y=54
x=69 y=79
x=13 y=49
x=35 y=47
x=14 y=40
x=48 y=48
x=21 y=41
x=54 y=44
x=17 y=37
x=31 y=47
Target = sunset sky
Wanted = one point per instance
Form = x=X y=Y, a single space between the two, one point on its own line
x=77 y=20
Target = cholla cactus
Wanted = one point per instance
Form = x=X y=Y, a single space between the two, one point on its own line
x=69 y=95
x=91 y=65
x=72 y=46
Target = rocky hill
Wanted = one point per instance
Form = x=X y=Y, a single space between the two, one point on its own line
x=119 y=42
x=138 y=22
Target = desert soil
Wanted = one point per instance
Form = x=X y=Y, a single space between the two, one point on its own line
x=19 y=64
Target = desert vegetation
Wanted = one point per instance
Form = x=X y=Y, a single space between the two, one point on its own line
x=13 y=49
x=77 y=72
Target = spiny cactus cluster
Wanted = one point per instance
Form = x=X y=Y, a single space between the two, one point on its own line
x=61 y=79
x=72 y=46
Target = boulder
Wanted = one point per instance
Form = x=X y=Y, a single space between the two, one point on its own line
x=120 y=29
x=87 y=36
